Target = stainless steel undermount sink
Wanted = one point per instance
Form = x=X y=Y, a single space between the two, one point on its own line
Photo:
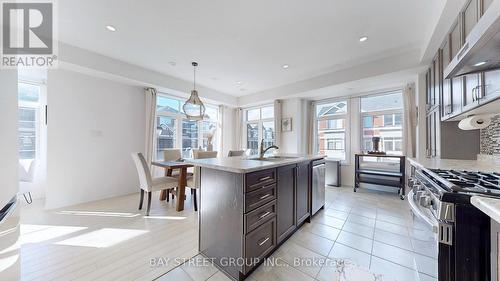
x=274 y=158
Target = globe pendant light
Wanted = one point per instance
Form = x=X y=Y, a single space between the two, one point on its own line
x=194 y=107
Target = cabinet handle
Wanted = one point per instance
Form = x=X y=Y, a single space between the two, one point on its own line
x=480 y=93
x=265 y=178
x=265 y=196
x=264 y=215
x=267 y=186
x=264 y=241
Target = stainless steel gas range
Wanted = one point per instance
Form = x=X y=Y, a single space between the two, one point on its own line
x=442 y=199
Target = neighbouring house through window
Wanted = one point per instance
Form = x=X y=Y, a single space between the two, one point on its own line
x=173 y=130
x=259 y=123
x=331 y=129
x=382 y=116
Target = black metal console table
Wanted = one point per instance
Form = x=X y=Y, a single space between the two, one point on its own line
x=381 y=177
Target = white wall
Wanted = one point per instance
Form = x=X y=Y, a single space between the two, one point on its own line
x=8 y=141
x=93 y=126
x=296 y=140
x=290 y=108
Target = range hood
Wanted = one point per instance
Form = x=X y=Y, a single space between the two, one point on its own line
x=481 y=51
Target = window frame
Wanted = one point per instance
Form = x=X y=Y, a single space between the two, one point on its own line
x=178 y=121
x=259 y=123
x=382 y=113
x=347 y=128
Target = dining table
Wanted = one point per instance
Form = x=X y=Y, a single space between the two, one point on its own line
x=169 y=167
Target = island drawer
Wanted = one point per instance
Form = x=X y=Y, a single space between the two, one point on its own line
x=260 y=197
x=259 y=216
x=260 y=242
x=257 y=179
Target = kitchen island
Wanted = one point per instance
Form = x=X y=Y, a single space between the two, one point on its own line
x=248 y=207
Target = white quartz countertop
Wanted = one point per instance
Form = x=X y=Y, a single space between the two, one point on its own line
x=246 y=165
x=489 y=206
x=453 y=164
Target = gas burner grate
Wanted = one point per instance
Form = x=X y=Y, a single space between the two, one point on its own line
x=467 y=181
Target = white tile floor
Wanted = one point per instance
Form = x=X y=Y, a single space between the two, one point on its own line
x=373 y=233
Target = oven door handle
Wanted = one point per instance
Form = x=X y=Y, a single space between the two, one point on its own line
x=432 y=222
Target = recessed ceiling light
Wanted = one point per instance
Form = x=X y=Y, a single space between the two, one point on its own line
x=111 y=28
x=480 y=63
x=239 y=82
x=172 y=63
x=285 y=66
x=363 y=39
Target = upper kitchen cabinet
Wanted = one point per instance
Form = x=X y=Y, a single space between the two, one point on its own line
x=485 y=4
x=471 y=44
x=470 y=15
x=446 y=96
x=472 y=91
x=457 y=83
x=437 y=78
x=491 y=89
x=433 y=84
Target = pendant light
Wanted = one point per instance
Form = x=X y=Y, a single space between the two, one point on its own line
x=194 y=107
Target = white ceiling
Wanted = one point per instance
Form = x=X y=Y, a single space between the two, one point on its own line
x=249 y=41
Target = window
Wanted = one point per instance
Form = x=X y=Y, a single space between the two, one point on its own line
x=166 y=134
x=174 y=131
x=209 y=127
x=382 y=116
x=331 y=129
x=28 y=119
x=260 y=126
x=189 y=137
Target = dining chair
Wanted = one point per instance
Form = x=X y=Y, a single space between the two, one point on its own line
x=233 y=153
x=194 y=151
x=172 y=154
x=149 y=184
x=194 y=182
x=26 y=177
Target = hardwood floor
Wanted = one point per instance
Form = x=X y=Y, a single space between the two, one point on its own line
x=106 y=240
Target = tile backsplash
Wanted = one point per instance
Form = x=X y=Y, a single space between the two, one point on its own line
x=490 y=138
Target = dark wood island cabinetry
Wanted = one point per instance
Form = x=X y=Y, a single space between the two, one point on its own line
x=246 y=213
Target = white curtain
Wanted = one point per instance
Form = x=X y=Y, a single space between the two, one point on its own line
x=311 y=122
x=410 y=120
x=238 y=129
x=150 y=124
x=220 y=131
x=277 y=122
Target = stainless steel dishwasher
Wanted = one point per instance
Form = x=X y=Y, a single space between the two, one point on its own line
x=318 y=185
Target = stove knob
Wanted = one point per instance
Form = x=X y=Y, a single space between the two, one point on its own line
x=420 y=194
x=425 y=201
